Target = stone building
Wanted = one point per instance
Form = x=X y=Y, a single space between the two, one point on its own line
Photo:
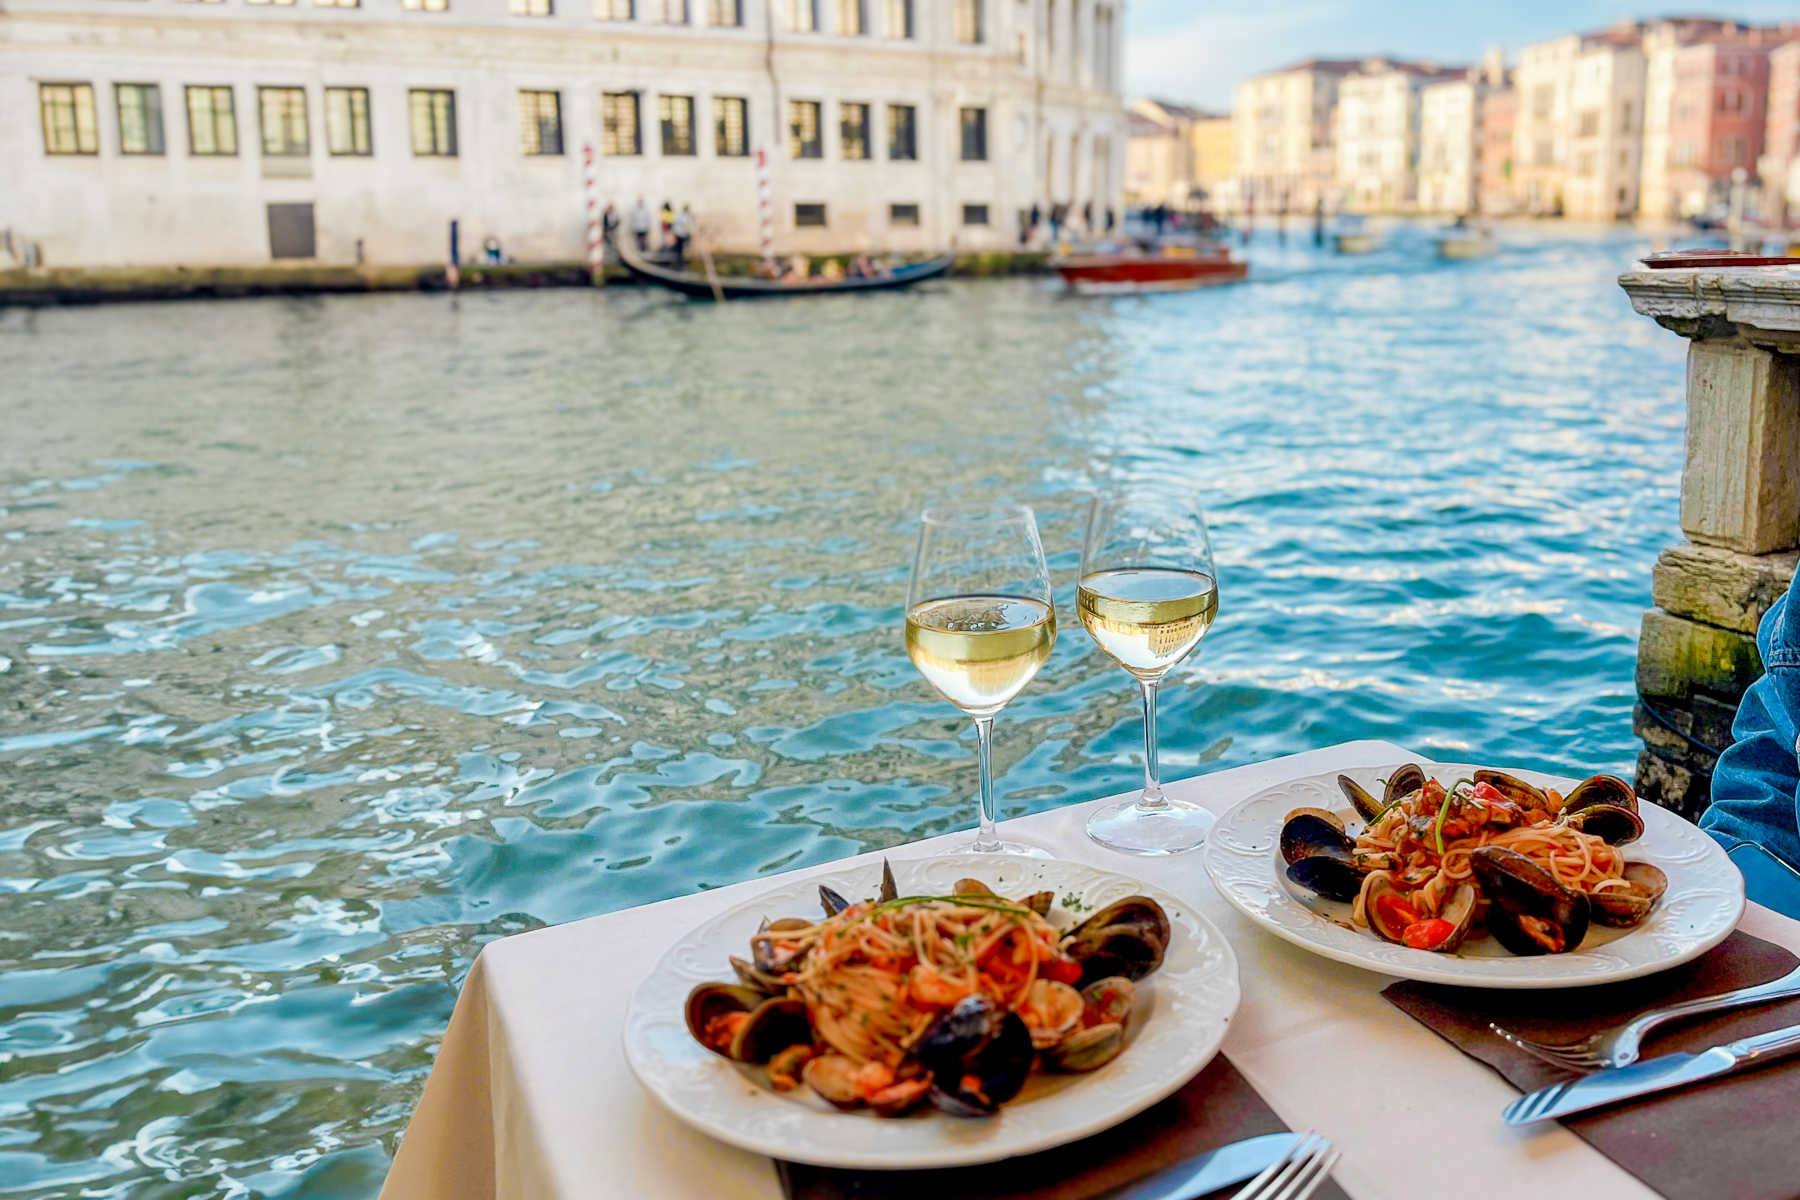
x=1716 y=120
x=1780 y=164
x=1282 y=152
x=1214 y=143
x=1159 y=153
x=1451 y=131
x=1377 y=135
x=1662 y=39
x=1494 y=190
x=1579 y=129
x=216 y=132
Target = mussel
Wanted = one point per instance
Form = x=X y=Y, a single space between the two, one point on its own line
x=1402 y=781
x=1100 y=1037
x=766 y=956
x=1529 y=912
x=1391 y=925
x=832 y=901
x=1320 y=856
x=1605 y=806
x=978 y=1055
x=1628 y=905
x=758 y=980
x=745 y=1025
x=1527 y=796
x=1126 y=938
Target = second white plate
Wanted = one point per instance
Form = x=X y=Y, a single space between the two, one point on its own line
x=1703 y=905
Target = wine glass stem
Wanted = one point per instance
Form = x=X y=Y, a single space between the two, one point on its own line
x=1153 y=793
x=985 y=838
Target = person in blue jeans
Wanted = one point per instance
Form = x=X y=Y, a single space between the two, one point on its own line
x=1755 y=785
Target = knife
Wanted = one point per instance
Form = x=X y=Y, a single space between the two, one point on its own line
x=1651 y=1075
x=1208 y=1172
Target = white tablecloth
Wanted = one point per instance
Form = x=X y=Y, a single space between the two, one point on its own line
x=531 y=1097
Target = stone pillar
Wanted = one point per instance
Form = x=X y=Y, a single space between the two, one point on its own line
x=1740 y=510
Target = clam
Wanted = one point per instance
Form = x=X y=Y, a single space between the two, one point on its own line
x=978 y=1055
x=1108 y=1000
x=1601 y=789
x=1106 y=1013
x=970 y=887
x=763 y=952
x=1125 y=938
x=1037 y=902
x=833 y=1077
x=1057 y=1010
x=756 y=980
x=743 y=1024
x=1526 y=796
x=1529 y=912
x=1459 y=910
x=1644 y=886
x=1320 y=857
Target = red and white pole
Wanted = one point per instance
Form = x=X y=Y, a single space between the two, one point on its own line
x=765 y=203
x=596 y=252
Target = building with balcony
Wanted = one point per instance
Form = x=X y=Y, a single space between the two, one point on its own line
x=1716 y=119
x=214 y=132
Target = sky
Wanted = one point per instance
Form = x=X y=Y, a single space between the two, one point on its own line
x=1194 y=51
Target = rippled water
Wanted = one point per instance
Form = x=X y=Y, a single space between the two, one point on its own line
x=341 y=636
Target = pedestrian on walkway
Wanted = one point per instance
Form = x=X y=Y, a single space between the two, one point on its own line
x=683 y=229
x=640 y=226
x=666 y=217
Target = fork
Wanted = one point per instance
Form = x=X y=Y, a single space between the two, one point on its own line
x=1295 y=1175
x=1618 y=1047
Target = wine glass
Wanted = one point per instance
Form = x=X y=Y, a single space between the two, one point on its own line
x=980 y=623
x=1148 y=594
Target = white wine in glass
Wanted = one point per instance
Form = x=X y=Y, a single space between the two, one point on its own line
x=980 y=624
x=1147 y=595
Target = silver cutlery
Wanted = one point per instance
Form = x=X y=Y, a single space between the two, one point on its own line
x=1651 y=1075
x=1210 y=1171
x=1613 y=1048
x=1295 y=1175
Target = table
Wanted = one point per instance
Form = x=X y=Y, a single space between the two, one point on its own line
x=531 y=1098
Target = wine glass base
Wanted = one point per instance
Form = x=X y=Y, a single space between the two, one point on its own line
x=1016 y=849
x=1174 y=827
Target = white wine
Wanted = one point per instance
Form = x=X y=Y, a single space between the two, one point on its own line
x=980 y=651
x=1147 y=618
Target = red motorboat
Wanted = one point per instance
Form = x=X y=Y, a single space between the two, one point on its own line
x=1167 y=269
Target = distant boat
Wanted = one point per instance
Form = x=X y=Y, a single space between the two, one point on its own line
x=1170 y=268
x=713 y=286
x=1464 y=240
x=1354 y=236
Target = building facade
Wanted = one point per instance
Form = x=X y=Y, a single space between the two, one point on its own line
x=1541 y=127
x=1214 y=155
x=1282 y=151
x=1716 y=120
x=1494 y=184
x=1781 y=136
x=1605 y=129
x=211 y=132
x=1449 y=129
x=1159 y=153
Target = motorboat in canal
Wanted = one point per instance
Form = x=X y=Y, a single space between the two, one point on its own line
x=1354 y=235
x=1464 y=240
x=711 y=285
x=1170 y=267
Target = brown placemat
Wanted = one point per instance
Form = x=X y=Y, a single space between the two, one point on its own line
x=1216 y=1107
x=1736 y=1138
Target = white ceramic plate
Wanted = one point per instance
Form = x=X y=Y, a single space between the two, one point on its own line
x=1180 y=1020
x=1702 y=907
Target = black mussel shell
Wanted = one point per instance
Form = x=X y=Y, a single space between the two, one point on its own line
x=888 y=889
x=1330 y=876
x=1404 y=781
x=1306 y=834
x=832 y=902
x=1039 y=902
x=1601 y=789
x=1126 y=938
x=1367 y=806
x=1525 y=795
x=1611 y=824
x=773 y=1026
x=977 y=1039
x=1529 y=912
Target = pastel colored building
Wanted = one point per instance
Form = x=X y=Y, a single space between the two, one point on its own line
x=1282 y=152
x=1716 y=120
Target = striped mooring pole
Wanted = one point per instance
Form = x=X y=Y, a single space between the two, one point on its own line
x=765 y=203
x=596 y=251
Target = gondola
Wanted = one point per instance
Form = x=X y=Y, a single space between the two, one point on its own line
x=742 y=287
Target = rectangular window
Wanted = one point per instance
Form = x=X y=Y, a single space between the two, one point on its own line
x=69 y=126
x=803 y=130
x=809 y=215
x=619 y=124
x=853 y=130
x=897 y=18
x=425 y=5
x=677 y=116
x=529 y=8
x=614 y=10
x=1543 y=98
x=669 y=12
x=974 y=135
x=433 y=113
x=212 y=121
x=903 y=132
x=338 y=3
x=725 y=12
x=802 y=15
x=347 y=122
x=540 y=123
x=850 y=17
x=903 y=214
x=1590 y=124
x=975 y=214
x=968 y=22
x=140 y=118
x=730 y=119
x=284 y=132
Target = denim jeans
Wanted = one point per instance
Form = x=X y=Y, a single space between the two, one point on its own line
x=1755 y=783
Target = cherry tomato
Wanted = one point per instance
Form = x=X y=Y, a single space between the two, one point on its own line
x=1488 y=793
x=1061 y=970
x=1394 y=911
x=1426 y=935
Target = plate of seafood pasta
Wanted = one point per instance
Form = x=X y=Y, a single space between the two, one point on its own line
x=1476 y=876
x=932 y=1012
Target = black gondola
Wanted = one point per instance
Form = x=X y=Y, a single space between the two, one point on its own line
x=742 y=287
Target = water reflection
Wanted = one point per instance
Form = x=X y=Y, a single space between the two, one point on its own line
x=339 y=637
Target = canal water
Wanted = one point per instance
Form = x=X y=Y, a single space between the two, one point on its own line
x=341 y=636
